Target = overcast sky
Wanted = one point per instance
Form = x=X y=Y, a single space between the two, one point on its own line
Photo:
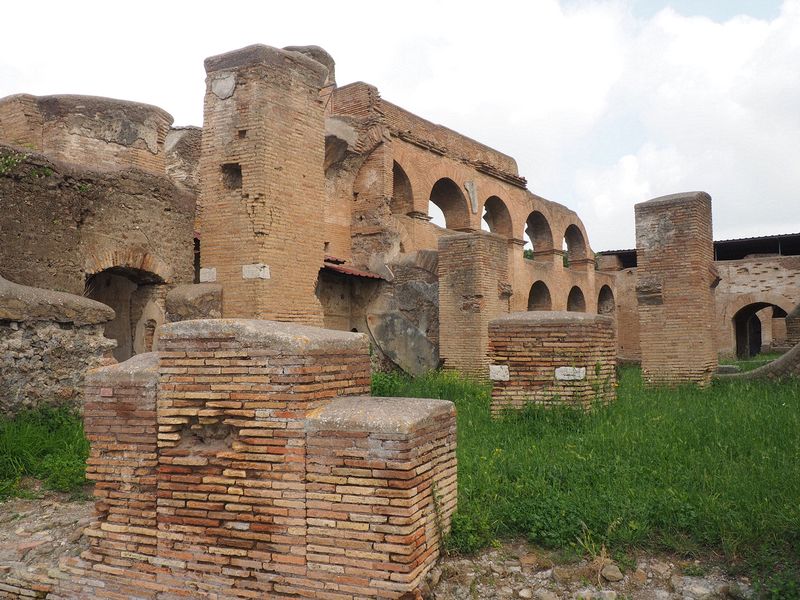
x=603 y=104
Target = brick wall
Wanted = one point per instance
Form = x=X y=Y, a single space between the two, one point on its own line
x=105 y=133
x=552 y=358
x=60 y=224
x=674 y=288
x=473 y=271
x=245 y=464
x=262 y=183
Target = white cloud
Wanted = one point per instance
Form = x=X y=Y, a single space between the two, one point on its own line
x=717 y=103
x=600 y=108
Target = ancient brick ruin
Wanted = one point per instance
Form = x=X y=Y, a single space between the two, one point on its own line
x=236 y=455
x=552 y=359
x=243 y=460
x=675 y=284
x=754 y=300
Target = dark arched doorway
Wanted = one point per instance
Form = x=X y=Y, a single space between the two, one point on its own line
x=748 y=327
x=137 y=298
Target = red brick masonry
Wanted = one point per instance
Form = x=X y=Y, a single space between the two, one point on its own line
x=552 y=358
x=245 y=462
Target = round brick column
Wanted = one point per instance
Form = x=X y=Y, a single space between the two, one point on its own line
x=551 y=358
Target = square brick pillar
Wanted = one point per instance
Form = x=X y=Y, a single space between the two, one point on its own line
x=120 y=422
x=233 y=399
x=381 y=492
x=262 y=183
x=675 y=282
x=473 y=290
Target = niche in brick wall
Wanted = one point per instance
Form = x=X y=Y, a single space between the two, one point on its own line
x=232 y=176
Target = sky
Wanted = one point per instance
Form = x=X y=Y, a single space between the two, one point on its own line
x=603 y=104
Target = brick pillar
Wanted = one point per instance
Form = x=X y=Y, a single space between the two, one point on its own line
x=262 y=183
x=473 y=290
x=552 y=358
x=120 y=422
x=381 y=492
x=233 y=399
x=675 y=282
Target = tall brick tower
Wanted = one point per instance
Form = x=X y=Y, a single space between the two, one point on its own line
x=262 y=182
x=675 y=282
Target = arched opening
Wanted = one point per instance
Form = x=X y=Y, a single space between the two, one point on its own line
x=605 y=302
x=496 y=217
x=402 y=201
x=448 y=198
x=756 y=326
x=575 y=301
x=137 y=299
x=538 y=235
x=574 y=244
x=539 y=297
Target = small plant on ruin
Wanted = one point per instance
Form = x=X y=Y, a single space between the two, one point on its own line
x=9 y=160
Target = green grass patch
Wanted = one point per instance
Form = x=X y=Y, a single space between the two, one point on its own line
x=47 y=445
x=686 y=470
x=748 y=364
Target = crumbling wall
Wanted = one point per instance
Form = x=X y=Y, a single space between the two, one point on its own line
x=675 y=282
x=61 y=224
x=48 y=341
x=182 y=148
x=262 y=183
x=244 y=464
x=103 y=133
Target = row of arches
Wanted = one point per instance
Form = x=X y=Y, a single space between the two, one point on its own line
x=539 y=298
x=449 y=207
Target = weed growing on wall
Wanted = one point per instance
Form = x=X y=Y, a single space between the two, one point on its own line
x=9 y=160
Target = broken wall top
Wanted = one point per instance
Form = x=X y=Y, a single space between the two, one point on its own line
x=106 y=133
x=24 y=303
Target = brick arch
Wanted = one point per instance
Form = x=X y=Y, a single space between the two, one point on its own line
x=577 y=244
x=402 y=201
x=498 y=216
x=453 y=202
x=745 y=300
x=128 y=258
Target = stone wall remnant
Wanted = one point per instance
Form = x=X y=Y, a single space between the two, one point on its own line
x=48 y=341
x=552 y=359
x=675 y=282
x=194 y=301
x=105 y=133
x=262 y=183
x=243 y=460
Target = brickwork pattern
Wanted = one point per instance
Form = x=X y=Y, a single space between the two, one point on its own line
x=675 y=282
x=389 y=482
x=105 y=133
x=262 y=182
x=532 y=345
x=245 y=464
x=60 y=224
x=473 y=271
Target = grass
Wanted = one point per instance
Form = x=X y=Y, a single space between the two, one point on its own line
x=748 y=364
x=692 y=471
x=47 y=445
